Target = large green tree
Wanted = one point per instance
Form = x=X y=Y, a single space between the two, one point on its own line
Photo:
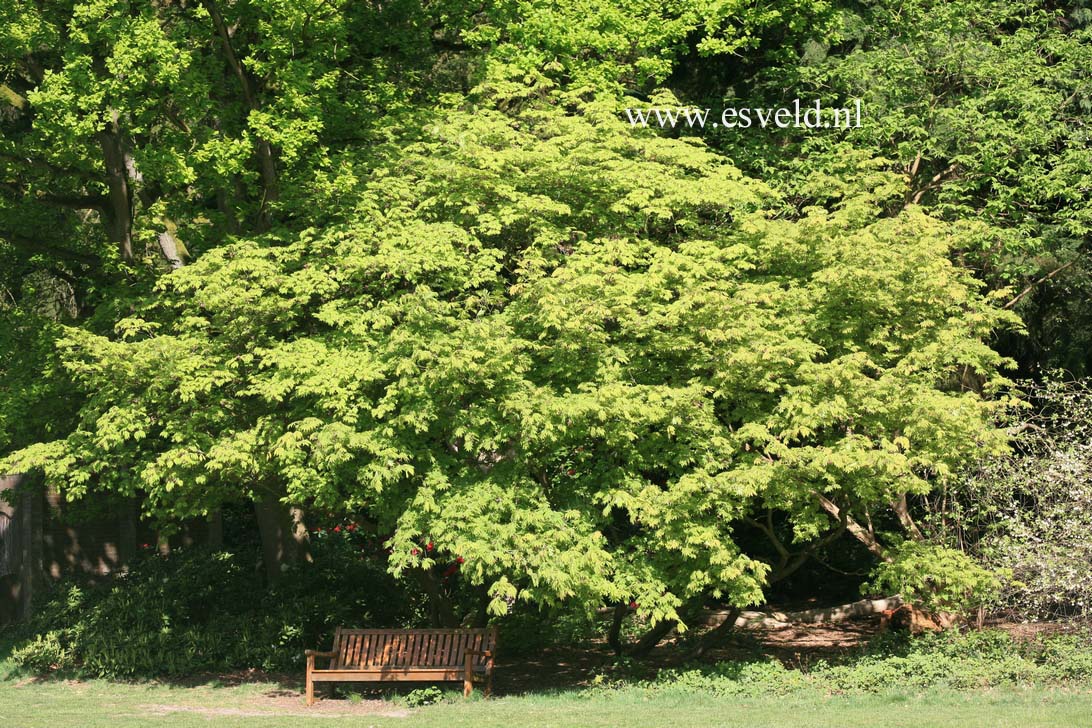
x=436 y=281
x=579 y=357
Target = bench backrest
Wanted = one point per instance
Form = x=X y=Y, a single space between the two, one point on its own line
x=435 y=648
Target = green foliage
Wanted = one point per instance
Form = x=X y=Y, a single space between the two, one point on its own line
x=978 y=104
x=424 y=696
x=44 y=653
x=610 y=46
x=434 y=278
x=946 y=661
x=937 y=578
x=570 y=353
x=199 y=612
x=528 y=630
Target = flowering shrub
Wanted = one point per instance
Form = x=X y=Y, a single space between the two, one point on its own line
x=1031 y=512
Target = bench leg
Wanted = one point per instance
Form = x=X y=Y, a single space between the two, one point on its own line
x=468 y=677
x=310 y=682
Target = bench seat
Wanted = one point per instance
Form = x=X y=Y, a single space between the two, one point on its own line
x=382 y=655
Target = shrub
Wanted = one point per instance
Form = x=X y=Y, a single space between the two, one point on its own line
x=1031 y=512
x=196 y=611
x=947 y=660
x=424 y=696
x=936 y=578
x=43 y=653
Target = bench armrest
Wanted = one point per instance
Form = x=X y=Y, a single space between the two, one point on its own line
x=318 y=653
x=479 y=653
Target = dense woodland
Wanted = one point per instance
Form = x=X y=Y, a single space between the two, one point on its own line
x=395 y=291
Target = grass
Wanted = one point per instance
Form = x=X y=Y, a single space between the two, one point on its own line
x=977 y=679
x=100 y=703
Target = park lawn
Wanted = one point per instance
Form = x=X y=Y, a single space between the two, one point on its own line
x=105 y=704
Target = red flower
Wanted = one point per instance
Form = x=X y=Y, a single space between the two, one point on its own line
x=337 y=529
x=459 y=560
x=633 y=605
x=413 y=552
x=572 y=472
x=429 y=546
x=145 y=545
x=352 y=526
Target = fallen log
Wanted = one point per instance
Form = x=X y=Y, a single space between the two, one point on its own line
x=821 y=615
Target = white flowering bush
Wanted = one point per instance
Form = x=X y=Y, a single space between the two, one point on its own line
x=1031 y=512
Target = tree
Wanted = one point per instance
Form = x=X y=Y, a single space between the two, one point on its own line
x=577 y=356
x=980 y=106
x=136 y=135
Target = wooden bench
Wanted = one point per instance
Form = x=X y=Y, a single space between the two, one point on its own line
x=378 y=655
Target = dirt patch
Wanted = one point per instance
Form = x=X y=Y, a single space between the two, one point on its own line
x=277 y=704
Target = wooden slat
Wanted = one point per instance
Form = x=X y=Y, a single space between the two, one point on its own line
x=354 y=652
x=478 y=645
x=380 y=652
x=402 y=673
x=431 y=649
x=376 y=649
x=448 y=646
x=440 y=653
x=365 y=645
x=398 y=658
x=369 y=646
x=336 y=662
x=414 y=649
x=347 y=651
x=464 y=645
x=414 y=655
x=427 y=656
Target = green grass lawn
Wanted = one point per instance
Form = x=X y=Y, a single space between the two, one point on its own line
x=90 y=704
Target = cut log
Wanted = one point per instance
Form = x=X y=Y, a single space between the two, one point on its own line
x=785 y=620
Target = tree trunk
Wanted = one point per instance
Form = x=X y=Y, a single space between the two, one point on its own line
x=119 y=211
x=859 y=532
x=716 y=636
x=215 y=538
x=614 y=636
x=283 y=533
x=653 y=637
x=820 y=615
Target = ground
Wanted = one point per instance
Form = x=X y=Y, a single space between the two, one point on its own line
x=548 y=690
x=99 y=704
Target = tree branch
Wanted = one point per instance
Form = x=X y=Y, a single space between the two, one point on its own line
x=902 y=510
x=266 y=161
x=13 y=97
x=934 y=182
x=857 y=530
x=1033 y=284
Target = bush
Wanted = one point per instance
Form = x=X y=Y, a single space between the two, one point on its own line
x=947 y=660
x=196 y=611
x=1031 y=512
x=936 y=578
x=424 y=696
x=44 y=653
